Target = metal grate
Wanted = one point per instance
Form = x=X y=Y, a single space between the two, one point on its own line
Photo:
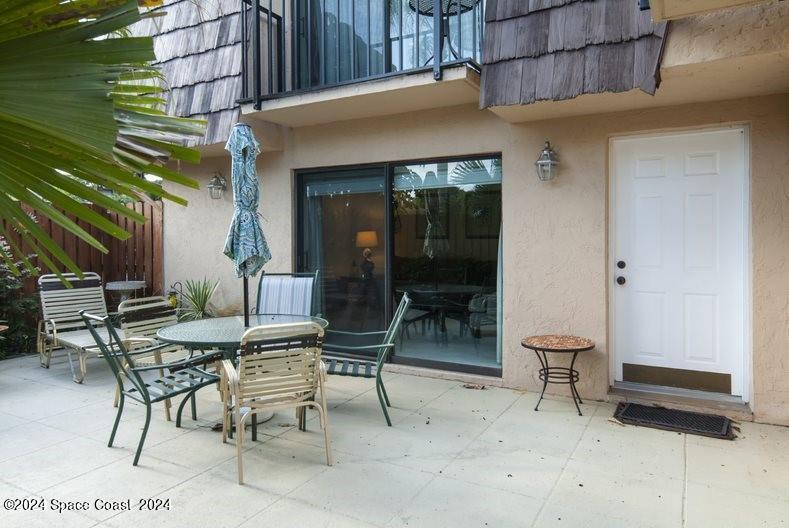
x=711 y=425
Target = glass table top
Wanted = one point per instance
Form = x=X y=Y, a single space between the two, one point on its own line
x=225 y=332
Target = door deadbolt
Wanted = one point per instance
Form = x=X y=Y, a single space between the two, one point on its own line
x=621 y=280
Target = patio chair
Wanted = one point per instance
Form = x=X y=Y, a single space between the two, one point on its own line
x=278 y=367
x=61 y=325
x=287 y=293
x=184 y=378
x=339 y=360
x=143 y=317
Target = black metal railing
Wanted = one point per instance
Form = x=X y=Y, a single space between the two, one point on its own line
x=303 y=45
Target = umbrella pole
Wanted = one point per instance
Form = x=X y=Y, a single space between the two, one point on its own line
x=246 y=302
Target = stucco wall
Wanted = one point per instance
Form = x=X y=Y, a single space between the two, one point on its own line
x=555 y=234
x=728 y=33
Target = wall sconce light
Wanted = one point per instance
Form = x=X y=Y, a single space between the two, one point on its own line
x=547 y=163
x=217 y=186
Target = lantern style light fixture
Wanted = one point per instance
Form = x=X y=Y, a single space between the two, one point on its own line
x=217 y=186
x=547 y=163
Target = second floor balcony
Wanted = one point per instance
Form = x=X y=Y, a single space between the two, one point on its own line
x=306 y=48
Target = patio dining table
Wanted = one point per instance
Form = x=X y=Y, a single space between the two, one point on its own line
x=225 y=333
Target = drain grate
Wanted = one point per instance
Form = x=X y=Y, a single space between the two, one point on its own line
x=711 y=425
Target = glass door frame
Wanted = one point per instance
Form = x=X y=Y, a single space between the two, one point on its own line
x=387 y=169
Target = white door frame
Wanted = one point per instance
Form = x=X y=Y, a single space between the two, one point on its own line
x=747 y=252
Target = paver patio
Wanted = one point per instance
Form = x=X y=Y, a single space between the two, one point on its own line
x=455 y=457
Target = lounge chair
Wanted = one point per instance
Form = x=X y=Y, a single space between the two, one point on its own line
x=61 y=325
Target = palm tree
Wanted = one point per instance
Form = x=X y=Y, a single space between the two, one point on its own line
x=80 y=110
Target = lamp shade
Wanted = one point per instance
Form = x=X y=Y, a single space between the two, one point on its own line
x=366 y=239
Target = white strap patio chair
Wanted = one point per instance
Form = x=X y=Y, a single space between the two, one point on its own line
x=278 y=368
x=287 y=293
x=61 y=326
x=142 y=318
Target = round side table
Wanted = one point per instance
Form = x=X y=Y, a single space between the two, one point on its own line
x=566 y=344
x=125 y=288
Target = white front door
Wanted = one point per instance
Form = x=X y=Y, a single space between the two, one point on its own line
x=679 y=245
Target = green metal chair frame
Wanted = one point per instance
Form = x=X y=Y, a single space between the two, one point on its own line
x=183 y=378
x=143 y=317
x=359 y=368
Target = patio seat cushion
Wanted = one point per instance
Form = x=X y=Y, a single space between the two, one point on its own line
x=355 y=368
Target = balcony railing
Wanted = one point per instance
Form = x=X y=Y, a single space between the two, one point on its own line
x=303 y=45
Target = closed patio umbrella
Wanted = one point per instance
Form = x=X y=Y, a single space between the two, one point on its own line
x=245 y=245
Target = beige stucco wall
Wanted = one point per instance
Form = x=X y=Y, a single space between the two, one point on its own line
x=728 y=33
x=555 y=234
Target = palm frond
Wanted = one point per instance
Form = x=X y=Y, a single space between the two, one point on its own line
x=80 y=105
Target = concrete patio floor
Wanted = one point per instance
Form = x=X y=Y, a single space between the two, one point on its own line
x=456 y=457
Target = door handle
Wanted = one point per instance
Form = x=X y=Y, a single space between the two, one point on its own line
x=621 y=280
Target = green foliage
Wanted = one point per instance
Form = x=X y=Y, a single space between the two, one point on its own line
x=80 y=104
x=197 y=299
x=17 y=310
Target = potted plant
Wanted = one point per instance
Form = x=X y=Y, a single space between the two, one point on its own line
x=197 y=299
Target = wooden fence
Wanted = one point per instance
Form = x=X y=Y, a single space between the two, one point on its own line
x=138 y=258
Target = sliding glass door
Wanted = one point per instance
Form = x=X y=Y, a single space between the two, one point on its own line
x=431 y=230
x=342 y=236
x=447 y=219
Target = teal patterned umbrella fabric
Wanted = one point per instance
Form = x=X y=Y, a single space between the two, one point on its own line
x=245 y=244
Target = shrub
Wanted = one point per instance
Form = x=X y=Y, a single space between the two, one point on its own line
x=18 y=310
x=197 y=296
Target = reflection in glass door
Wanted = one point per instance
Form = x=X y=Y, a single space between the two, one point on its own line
x=428 y=229
x=447 y=221
x=342 y=236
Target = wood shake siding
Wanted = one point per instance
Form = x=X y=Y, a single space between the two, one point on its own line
x=198 y=49
x=538 y=50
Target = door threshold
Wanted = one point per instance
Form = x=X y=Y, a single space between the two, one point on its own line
x=463 y=377
x=732 y=406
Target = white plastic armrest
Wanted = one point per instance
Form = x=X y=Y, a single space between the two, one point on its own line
x=230 y=376
x=54 y=330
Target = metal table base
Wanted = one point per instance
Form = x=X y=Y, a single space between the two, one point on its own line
x=559 y=376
